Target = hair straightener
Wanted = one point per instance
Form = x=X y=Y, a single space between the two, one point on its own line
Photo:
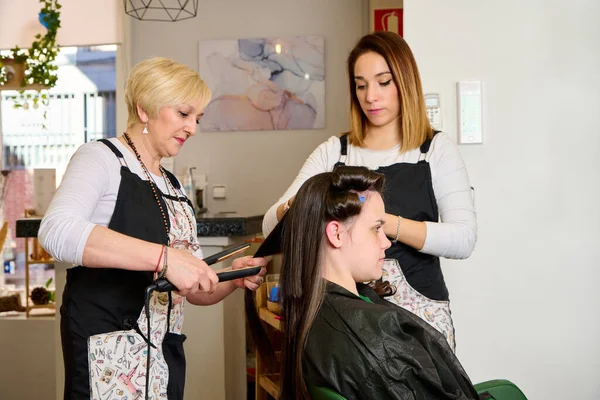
x=163 y=285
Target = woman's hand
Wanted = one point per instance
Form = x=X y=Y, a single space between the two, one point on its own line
x=412 y=233
x=190 y=274
x=283 y=207
x=254 y=281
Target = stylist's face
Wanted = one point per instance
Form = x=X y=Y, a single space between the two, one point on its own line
x=173 y=126
x=375 y=89
x=366 y=248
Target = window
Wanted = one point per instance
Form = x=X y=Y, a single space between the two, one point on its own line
x=81 y=108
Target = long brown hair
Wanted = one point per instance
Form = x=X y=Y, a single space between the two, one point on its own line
x=414 y=124
x=330 y=196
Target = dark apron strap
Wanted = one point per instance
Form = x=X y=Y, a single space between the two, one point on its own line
x=344 y=143
x=343 y=151
x=112 y=147
x=426 y=144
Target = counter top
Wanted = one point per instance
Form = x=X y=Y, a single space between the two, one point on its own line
x=217 y=225
x=229 y=225
x=28 y=227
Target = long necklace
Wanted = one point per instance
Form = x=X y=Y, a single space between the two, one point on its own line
x=153 y=186
x=190 y=243
x=176 y=194
x=151 y=181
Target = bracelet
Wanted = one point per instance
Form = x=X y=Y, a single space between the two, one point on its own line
x=162 y=250
x=163 y=271
x=397 y=230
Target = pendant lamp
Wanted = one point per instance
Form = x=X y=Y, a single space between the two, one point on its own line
x=161 y=10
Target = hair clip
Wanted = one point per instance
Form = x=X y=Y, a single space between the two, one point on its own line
x=361 y=198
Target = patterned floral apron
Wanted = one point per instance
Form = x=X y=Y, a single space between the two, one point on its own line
x=435 y=312
x=104 y=329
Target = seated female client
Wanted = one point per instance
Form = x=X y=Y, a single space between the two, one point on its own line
x=338 y=333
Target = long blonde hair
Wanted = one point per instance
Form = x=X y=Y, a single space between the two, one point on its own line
x=414 y=124
x=159 y=82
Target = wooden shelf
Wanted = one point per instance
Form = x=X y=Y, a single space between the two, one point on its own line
x=31 y=261
x=270 y=383
x=17 y=86
x=51 y=306
x=28 y=262
x=267 y=382
x=270 y=318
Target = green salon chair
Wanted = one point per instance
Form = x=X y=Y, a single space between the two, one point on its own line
x=498 y=389
x=323 y=393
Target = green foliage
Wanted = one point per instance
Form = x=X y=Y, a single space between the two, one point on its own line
x=51 y=295
x=39 y=59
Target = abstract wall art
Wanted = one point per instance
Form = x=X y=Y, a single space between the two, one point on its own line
x=273 y=83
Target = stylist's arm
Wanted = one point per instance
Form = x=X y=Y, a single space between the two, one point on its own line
x=188 y=273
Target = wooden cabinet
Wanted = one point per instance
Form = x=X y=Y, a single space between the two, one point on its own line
x=34 y=256
x=27 y=228
x=267 y=382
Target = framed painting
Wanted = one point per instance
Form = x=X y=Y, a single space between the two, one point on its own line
x=273 y=83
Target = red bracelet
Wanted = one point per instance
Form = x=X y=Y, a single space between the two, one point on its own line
x=162 y=250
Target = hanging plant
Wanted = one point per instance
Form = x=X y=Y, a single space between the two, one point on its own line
x=12 y=67
x=40 y=69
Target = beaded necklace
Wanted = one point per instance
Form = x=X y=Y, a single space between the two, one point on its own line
x=153 y=186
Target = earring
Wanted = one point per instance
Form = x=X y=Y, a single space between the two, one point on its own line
x=145 y=130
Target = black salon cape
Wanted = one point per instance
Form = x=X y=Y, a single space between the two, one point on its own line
x=377 y=351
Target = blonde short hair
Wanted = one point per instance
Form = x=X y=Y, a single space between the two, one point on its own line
x=414 y=123
x=160 y=82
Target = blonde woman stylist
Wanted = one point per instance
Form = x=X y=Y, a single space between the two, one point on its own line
x=123 y=220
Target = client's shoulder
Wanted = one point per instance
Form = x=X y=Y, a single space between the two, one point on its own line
x=357 y=314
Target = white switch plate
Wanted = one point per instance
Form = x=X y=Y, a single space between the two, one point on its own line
x=219 y=191
x=434 y=111
x=470 y=130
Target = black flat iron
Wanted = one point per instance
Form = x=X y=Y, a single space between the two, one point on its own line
x=163 y=285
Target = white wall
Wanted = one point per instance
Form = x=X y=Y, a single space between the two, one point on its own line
x=83 y=22
x=526 y=304
x=258 y=166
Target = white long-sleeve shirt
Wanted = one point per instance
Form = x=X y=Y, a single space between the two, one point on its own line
x=453 y=237
x=86 y=197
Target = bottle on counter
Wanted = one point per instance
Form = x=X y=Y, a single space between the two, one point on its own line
x=8 y=255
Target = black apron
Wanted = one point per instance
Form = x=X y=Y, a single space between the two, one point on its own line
x=106 y=300
x=409 y=193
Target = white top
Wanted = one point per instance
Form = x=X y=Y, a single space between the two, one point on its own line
x=455 y=236
x=86 y=197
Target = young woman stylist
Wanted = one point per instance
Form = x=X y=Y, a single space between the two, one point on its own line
x=122 y=219
x=428 y=201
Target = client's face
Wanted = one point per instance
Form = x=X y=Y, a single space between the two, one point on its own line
x=366 y=250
